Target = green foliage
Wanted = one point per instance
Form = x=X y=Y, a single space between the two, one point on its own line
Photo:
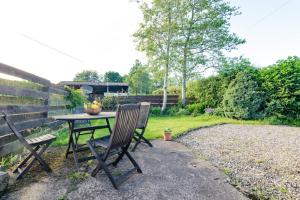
x=113 y=77
x=9 y=160
x=196 y=108
x=109 y=103
x=243 y=98
x=139 y=79
x=155 y=111
x=75 y=97
x=232 y=66
x=282 y=85
x=207 y=91
x=78 y=176
x=171 y=90
x=182 y=111
x=88 y=76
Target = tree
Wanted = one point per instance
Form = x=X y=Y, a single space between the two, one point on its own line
x=112 y=76
x=243 y=98
x=202 y=35
x=155 y=36
x=87 y=75
x=282 y=85
x=139 y=79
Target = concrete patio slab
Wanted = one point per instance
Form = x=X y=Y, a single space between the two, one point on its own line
x=170 y=171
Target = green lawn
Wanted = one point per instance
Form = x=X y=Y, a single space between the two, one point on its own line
x=156 y=126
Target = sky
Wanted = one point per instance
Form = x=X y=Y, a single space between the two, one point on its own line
x=58 y=38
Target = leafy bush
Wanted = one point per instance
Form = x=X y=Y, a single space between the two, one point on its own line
x=172 y=110
x=196 y=108
x=208 y=91
x=109 y=103
x=155 y=111
x=75 y=97
x=233 y=66
x=171 y=90
x=243 y=99
x=183 y=111
x=282 y=85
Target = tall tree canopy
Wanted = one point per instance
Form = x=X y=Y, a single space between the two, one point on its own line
x=112 y=76
x=87 y=75
x=203 y=35
x=186 y=35
x=139 y=79
x=156 y=35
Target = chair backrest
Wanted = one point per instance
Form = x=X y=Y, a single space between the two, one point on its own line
x=144 y=115
x=126 y=122
x=13 y=128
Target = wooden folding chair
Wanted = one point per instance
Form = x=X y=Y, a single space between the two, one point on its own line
x=36 y=147
x=117 y=143
x=141 y=126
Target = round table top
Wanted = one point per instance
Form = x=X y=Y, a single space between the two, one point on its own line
x=84 y=116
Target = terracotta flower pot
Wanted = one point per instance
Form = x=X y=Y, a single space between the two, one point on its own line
x=167 y=136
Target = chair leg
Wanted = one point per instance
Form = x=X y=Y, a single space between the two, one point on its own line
x=25 y=160
x=44 y=165
x=37 y=157
x=133 y=161
x=101 y=165
x=135 y=145
x=147 y=141
x=118 y=159
x=140 y=136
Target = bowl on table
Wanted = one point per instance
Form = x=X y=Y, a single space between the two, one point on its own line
x=93 y=108
x=92 y=111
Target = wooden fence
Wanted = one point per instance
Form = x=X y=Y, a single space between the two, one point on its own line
x=155 y=100
x=30 y=99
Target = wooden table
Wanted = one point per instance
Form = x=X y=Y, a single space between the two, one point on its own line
x=72 y=130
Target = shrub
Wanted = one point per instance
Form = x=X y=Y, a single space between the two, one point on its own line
x=109 y=103
x=196 y=108
x=171 y=90
x=243 y=99
x=155 y=111
x=207 y=91
x=183 y=111
x=172 y=110
x=282 y=86
x=76 y=98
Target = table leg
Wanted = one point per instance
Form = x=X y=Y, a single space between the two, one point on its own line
x=71 y=144
x=108 y=125
x=70 y=138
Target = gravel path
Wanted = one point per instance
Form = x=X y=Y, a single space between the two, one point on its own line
x=170 y=171
x=262 y=161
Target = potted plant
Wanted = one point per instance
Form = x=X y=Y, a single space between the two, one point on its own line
x=168 y=134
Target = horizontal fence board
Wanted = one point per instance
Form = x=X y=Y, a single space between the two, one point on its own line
x=24 y=117
x=16 y=109
x=5 y=69
x=57 y=91
x=13 y=100
x=13 y=91
x=155 y=100
x=53 y=108
x=23 y=125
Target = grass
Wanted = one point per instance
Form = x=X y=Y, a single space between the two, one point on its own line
x=156 y=126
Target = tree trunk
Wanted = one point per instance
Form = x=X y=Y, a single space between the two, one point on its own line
x=183 y=89
x=165 y=98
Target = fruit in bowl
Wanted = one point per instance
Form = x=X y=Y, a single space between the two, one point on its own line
x=93 y=108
